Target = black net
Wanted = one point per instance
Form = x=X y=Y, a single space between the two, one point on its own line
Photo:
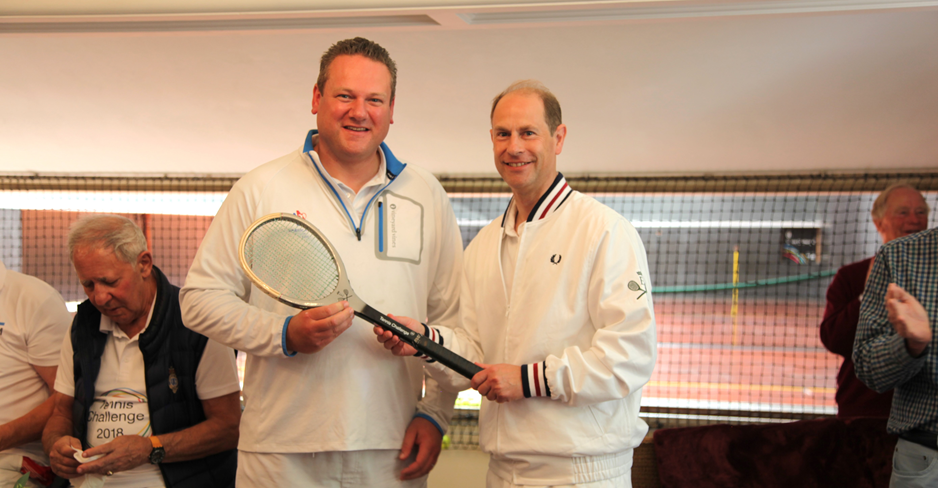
x=739 y=267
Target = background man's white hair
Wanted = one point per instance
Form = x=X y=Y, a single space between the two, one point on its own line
x=107 y=232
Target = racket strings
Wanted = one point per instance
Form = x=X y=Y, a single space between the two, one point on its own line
x=292 y=260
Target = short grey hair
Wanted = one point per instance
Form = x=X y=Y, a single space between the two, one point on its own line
x=107 y=232
x=879 y=205
x=552 y=115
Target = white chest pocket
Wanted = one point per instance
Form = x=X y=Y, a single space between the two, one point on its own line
x=399 y=231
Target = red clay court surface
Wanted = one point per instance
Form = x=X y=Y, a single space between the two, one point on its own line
x=774 y=359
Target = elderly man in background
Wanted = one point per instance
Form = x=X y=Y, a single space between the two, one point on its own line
x=157 y=403
x=895 y=349
x=33 y=321
x=898 y=211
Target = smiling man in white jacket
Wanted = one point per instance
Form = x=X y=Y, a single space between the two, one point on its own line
x=324 y=405
x=556 y=307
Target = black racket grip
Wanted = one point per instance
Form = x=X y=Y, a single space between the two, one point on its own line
x=420 y=342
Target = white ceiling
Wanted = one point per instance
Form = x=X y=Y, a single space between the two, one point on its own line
x=220 y=86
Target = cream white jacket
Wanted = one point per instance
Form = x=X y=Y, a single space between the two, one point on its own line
x=352 y=395
x=579 y=317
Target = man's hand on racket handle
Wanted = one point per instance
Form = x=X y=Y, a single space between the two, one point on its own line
x=311 y=330
x=498 y=382
x=392 y=342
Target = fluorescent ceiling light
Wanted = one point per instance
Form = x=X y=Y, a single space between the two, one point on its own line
x=137 y=202
x=241 y=23
x=697 y=9
x=695 y=224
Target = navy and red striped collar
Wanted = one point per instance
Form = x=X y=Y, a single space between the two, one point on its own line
x=549 y=202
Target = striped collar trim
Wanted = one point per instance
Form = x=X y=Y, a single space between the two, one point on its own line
x=549 y=202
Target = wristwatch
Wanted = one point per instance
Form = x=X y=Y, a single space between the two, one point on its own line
x=158 y=453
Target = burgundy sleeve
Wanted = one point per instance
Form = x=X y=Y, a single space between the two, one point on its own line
x=842 y=313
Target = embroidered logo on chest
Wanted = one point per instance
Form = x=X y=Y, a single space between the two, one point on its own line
x=173 y=380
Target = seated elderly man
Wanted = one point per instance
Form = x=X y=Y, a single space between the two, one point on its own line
x=33 y=321
x=157 y=402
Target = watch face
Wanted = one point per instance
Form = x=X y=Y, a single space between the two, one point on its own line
x=157 y=455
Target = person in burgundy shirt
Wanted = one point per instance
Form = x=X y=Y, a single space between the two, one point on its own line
x=898 y=211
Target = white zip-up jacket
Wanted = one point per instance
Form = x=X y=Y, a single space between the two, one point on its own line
x=579 y=318
x=351 y=395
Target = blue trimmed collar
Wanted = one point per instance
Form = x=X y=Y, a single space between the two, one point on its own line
x=393 y=164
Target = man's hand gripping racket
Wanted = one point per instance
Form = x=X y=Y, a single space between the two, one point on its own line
x=292 y=261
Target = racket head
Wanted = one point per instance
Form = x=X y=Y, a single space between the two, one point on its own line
x=289 y=259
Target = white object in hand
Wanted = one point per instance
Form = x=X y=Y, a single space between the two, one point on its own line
x=90 y=480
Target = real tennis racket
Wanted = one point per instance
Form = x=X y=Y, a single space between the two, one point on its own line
x=292 y=261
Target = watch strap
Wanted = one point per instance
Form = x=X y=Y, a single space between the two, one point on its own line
x=158 y=453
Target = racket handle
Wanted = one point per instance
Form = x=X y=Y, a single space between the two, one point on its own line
x=420 y=342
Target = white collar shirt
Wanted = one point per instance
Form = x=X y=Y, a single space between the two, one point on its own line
x=355 y=202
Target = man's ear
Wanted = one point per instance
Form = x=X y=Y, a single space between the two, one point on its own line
x=145 y=263
x=559 y=136
x=317 y=97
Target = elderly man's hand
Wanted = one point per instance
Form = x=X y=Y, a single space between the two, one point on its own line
x=909 y=319
x=62 y=457
x=311 y=330
x=499 y=382
x=122 y=454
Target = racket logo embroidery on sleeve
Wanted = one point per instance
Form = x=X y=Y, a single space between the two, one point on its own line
x=634 y=286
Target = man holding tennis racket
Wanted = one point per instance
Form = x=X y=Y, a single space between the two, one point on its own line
x=556 y=305
x=324 y=404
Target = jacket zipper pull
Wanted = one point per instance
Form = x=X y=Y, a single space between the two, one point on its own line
x=358 y=232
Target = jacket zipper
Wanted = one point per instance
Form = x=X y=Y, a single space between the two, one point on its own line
x=335 y=194
x=380 y=227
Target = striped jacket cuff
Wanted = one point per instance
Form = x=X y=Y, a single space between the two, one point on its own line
x=534 y=380
x=433 y=335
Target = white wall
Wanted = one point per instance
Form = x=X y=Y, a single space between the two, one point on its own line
x=734 y=93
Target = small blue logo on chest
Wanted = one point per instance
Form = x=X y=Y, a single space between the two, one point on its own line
x=173 y=380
